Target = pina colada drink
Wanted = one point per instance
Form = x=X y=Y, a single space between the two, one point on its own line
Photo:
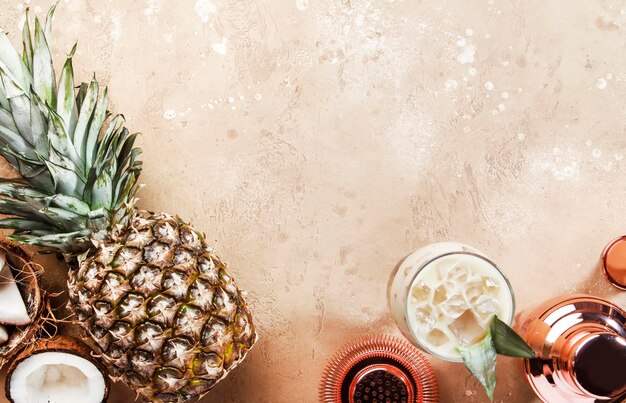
x=444 y=296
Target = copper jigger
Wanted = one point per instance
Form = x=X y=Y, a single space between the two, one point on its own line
x=580 y=343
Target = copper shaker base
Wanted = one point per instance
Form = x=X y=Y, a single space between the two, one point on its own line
x=581 y=345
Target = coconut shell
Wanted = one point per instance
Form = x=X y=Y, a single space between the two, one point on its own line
x=26 y=274
x=61 y=344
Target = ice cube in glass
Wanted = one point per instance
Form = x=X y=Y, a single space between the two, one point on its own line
x=486 y=306
x=425 y=318
x=421 y=292
x=458 y=273
x=467 y=328
x=437 y=337
x=474 y=289
x=490 y=285
x=440 y=295
x=454 y=306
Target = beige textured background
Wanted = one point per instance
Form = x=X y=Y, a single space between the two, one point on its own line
x=319 y=141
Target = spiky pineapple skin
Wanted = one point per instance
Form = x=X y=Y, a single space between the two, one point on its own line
x=162 y=308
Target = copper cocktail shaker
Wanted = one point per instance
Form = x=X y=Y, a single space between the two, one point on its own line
x=580 y=343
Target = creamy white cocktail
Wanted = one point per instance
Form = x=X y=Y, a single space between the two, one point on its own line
x=444 y=296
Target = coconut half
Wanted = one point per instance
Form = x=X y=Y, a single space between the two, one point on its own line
x=57 y=370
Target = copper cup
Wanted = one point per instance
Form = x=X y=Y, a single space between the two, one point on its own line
x=580 y=343
x=613 y=262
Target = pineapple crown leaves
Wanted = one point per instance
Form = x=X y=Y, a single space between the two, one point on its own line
x=480 y=357
x=77 y=163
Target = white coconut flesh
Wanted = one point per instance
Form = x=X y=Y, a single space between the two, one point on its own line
x=56 y=377
x=12 y=308
x=4 y=335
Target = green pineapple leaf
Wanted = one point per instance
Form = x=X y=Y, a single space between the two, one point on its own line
x=100 y=114
x=84 y=118
x=18 y=144
x=102 y=192
x=507 y=341
x=4 y=101
x=19 y=191
x=12 y=64
x=66 y=104
x=27 y=53
x=23 y=209
x=480 y=359
x=38 y=127
x=69 y=203
x=43 y=70
x=30 y=225
x=65 y=180
x=48 y=28
x=20 y=109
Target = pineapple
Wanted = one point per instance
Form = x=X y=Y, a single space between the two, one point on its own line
x=146 y=288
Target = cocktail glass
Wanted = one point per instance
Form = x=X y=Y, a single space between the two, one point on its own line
x=444 y=295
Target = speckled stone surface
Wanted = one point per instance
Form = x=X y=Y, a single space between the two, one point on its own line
x=317 y=142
